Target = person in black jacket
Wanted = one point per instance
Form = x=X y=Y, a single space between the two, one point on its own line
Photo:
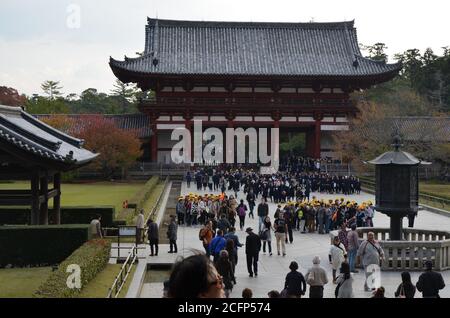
x=263 y=211
x=225 y=269
x=252 y=248
x=295 y=284
x=430 y=282
x=406 y=289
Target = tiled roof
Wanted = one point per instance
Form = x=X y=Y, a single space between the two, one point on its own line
x=423 y=128
x=21 y=130
x=235 y=48
x=138 y=123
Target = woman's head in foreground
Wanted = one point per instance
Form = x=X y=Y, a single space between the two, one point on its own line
x=195 y=277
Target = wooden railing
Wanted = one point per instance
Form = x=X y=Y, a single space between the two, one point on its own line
x=418 y=246
x=121 y=278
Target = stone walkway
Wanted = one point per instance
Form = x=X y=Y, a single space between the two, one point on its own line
x=273 y=269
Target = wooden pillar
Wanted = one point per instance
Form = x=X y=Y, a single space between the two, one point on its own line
x=154 y=144
x=57 y=198
x=188 y=126
x=43 y=215
x=35 y=199
x=317 y=138
x=230 y=124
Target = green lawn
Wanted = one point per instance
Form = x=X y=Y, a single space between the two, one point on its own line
x=22 y=282
x=435 y=188
x=96 y=193
x=99 y=286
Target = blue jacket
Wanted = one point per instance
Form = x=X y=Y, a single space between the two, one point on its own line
x=234 y=238
x=217 y=244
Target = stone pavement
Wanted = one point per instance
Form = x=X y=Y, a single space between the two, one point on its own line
x=273 y=269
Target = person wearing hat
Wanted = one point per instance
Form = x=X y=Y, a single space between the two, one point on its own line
x=252 y=248
x=430 y=282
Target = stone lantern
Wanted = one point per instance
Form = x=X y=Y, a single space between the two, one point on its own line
x=397 y=186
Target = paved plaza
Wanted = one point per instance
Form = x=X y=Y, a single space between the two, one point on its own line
x=273 y=269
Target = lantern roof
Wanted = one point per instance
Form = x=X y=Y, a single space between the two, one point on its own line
x=397 y=157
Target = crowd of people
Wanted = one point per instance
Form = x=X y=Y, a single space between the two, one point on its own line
x=291 y=183
x=218 y=216
x=303 y=214
x=198 y=277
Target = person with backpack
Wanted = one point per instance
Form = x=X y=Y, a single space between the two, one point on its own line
x=206 y=235
x=336 y=256
x=344 y=288
x=280 y=233
x=242 y=211
x=217 y=244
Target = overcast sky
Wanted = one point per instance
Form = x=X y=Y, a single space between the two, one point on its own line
x=44 y=39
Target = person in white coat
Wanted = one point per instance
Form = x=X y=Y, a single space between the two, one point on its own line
x=140 y=225
x=337 y=256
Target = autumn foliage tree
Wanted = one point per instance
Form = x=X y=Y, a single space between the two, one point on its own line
x=61 y=122
x=10 y=97
x=371 y=133
x=118 y=148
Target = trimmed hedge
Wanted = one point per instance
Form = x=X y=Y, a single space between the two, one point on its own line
x=40 y=245
x=92 y=257
x=138 y=200
x=69 y=215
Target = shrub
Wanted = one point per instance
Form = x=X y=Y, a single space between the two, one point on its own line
x=92 y=257
x=40 y=245
x=138 y=200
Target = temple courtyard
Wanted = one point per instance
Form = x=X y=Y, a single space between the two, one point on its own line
x=273 y=269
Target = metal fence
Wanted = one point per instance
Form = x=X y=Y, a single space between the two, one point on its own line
x=121 y=278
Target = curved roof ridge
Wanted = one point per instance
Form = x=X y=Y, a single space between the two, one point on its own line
x=393 y=66
x=243 y=24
